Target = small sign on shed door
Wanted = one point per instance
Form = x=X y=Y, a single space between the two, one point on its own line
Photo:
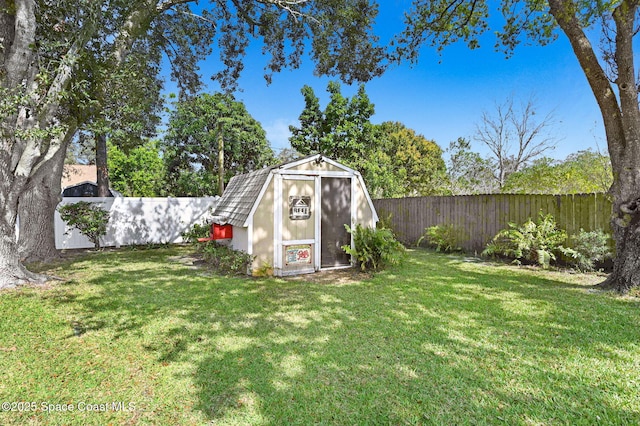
x=299 y=207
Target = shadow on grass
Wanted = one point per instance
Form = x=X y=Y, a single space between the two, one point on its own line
x=436 y=340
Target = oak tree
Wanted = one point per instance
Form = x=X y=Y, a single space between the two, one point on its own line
x=123 y=102
x=45 y=46
x=403 y=163
x=611 y=74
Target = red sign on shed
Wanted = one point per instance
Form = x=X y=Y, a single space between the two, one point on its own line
x=222 y=232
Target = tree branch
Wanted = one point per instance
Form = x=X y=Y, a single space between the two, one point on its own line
x=168 y=4
x=288 y=5
x=60 y=82
x=565 y=14
x=21 y=55
x=624 y=17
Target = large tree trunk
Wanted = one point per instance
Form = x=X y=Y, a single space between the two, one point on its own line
x=37 y=234
x=37 y=206
x=623 y=138
x=626 y=266
x=101 y=166
x=621 y=117
x=12 y=272
x=624 y=141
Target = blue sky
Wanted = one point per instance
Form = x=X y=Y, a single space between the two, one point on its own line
x=443 y=96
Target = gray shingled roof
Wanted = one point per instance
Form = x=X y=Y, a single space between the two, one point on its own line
x=240 y=196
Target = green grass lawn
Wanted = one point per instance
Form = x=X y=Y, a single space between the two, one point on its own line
x=441 y=340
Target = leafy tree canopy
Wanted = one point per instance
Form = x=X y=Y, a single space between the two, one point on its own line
x=140 y=172
x=393 y=159
x=467 y=172
x=191 y=144
x=582 y=172
x=342 y=131
x=403 y=163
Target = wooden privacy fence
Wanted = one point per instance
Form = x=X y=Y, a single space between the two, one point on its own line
x=478 y=218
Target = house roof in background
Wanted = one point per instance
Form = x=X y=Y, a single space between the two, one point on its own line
x=73 y=174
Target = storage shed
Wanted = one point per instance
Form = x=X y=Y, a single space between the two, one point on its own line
x=291 y=217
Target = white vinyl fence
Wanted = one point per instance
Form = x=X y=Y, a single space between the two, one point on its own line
x=139 y=220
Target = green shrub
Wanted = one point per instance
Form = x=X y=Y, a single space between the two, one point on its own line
x=375 y=248
x=88 y=218
x=385 y=222
x=198 y=230
x=441 y=237
x=533 y=242
x=588 y=248
x=225 y=260
x=265 y=270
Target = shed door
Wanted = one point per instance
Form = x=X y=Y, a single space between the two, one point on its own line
x=335 y=212
x=298 y=225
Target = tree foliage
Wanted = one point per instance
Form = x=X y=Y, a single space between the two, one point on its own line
x=128 y=104
x=88 y=218
x=611 y=74
x=342 y=131
x=582 y=172
x=191 y=144
x=467 y=172
x=140 y=172
x=515 y=136
x=403 y=163
x=394 y=160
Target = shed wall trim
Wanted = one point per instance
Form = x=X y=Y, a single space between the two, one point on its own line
x=277 y=223
x=312 y=158
x=318 y=220
x=296 y=242
x=369 y=200
x=354 y=214
x=314 y=173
